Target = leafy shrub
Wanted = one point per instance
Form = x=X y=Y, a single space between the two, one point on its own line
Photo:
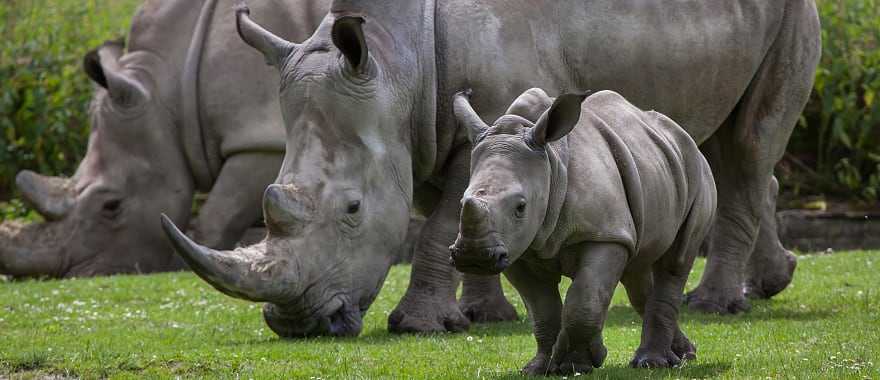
x=836 y=148
x=44 y=94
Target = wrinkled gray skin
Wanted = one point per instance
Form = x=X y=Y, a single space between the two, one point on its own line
x=146 y=154
x=367 y=110
x=601 y=192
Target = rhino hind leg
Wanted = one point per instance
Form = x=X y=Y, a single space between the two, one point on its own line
x=482 y=300
x=744 y=151
x=771 y=267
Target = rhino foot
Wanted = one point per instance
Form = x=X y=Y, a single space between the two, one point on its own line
x=769 y=280
x=716 y=302
x=646 y=358
x=578 y=362
x=683 y=348
x=538 y=366
x=419 y=317
x=488 y=310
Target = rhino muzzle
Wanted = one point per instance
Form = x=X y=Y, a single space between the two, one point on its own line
x=31 y=250
x=478 y=249
x=249 y=273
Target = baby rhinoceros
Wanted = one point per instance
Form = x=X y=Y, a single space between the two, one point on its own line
x=596 y=190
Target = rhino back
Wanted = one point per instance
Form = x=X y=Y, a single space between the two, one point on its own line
x=239 y=91
x=691 y=60
x=631 y=171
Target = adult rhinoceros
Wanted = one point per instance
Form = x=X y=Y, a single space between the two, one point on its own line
x=188 y=107
x=370 y=134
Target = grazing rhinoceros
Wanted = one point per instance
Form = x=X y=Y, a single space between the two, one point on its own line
x=599 y=191
x=188 y=107
x=370 y=136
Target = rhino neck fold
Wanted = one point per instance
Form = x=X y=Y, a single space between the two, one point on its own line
x=424 y=120
x=557 y=154
x=204 y=170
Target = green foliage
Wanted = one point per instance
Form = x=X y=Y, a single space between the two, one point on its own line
x=175 y=325
x=45 y=94
x=836 y=147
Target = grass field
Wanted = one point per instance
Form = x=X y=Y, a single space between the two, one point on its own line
x=827 y=325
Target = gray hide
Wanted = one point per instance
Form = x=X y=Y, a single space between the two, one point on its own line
x=601 y=192
x=187 y=107
x=370 y=134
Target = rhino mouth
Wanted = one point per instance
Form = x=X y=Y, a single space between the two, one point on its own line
x=342 y=318
x=485 y=260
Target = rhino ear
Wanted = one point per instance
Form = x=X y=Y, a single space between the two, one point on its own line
x=92 y=61
x=348 y=36
x=275 y=49
x=467 y=117
x=559 y=119
x=102 y=66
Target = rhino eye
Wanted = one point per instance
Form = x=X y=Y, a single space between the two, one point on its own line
x=111 y=208
x=521 y=209
x=354 y=207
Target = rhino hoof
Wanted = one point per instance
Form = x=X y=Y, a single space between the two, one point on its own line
x=771 y=281
x=423 y=318
x=499 y=310
x=723 y=306
x=650 y=359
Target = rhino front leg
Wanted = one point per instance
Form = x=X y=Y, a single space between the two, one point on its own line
x=482 y=300
x=429 y=304
x=540 y=292
x=771 y=267
x=579 y=347
x=233 y=204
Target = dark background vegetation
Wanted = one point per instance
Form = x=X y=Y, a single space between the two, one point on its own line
x=834 y=153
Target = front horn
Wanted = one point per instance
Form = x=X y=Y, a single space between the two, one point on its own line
x=245 y=273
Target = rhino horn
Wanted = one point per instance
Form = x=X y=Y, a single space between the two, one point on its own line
x=474 y=219
x=466 y=115
x=52 y=197
x=244 y=273
x=273 y=47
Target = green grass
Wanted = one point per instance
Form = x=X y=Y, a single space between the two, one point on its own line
x=827 y=325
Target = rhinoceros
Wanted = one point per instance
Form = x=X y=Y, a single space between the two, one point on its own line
x=189 y=107
x=370 y=136
x=596 y=190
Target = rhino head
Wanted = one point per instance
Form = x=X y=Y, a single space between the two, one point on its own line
x=339 y=208
x=506 y=202
x=103 y=219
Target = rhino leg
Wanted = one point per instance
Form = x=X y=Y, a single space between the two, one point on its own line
x=745 y=149
x=771 y=266
x=234 y=202
x=429 y=304
x=580 y=346
x=540 y=292
x=482 y=300
x=639 y=286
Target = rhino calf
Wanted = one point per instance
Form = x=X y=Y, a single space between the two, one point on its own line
x=625 y=197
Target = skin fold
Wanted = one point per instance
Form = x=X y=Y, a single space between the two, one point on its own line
x=596 y=190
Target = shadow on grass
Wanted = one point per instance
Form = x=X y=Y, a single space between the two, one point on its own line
x=688 y=371
x=768 y=311
x=763 y=310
